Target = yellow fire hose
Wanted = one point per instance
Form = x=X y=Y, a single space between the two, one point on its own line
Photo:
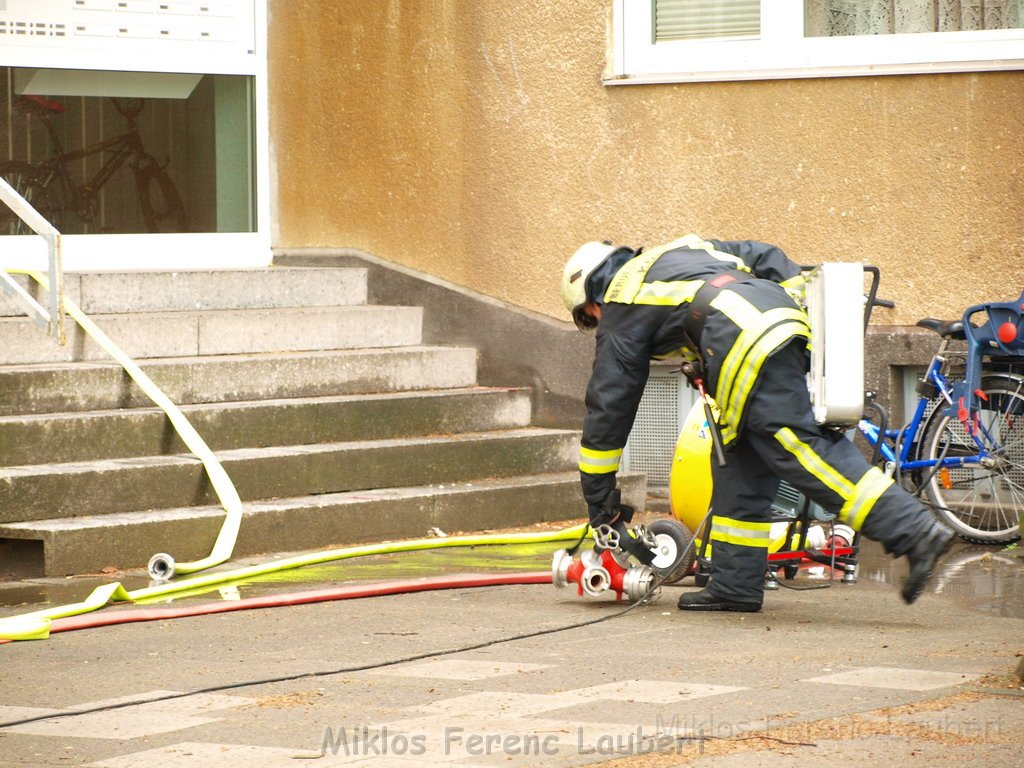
x=36 y=625
x=162 y=566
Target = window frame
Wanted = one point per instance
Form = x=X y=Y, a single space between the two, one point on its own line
x=782 y=51
x=165 y=250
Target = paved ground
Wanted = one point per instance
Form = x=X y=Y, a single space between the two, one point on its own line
x=846 y=674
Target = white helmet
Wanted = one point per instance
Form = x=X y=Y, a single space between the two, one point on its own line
x=578 y=269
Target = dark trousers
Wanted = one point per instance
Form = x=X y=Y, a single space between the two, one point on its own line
x=780 y=439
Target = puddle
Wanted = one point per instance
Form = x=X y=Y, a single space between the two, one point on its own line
x=989 y=579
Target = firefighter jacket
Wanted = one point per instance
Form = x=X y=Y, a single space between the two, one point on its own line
x=644 y=306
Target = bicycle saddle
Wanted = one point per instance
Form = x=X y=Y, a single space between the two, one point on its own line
x=947 y=329
x=40 y=104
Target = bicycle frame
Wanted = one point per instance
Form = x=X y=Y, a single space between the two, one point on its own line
x=122 y=148
x=897 y=446
x=80 y=197
x=62 y=195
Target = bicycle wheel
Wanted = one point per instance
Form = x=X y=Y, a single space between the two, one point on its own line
x=32 y=183
x=981 y=502
x=162 y=208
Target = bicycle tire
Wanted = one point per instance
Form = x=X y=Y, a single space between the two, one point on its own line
x=32 y=183
x=161 y=205
x=981 y=504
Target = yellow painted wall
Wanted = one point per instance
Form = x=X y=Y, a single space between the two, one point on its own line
x=475 y=141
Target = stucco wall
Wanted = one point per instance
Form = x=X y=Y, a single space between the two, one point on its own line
x=475 y=141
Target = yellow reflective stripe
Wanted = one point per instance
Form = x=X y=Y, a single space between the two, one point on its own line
x=865 y=494
x=744 y=384
x=695 y=242
x=738 y=309
x=684 y=352
x=796 y=287
x=814 y=464
x=670 y=294
x=794 y=283
x=741 y=532
x=753 y=324
x=599 y=462
x=629 y=279
x=750 y=350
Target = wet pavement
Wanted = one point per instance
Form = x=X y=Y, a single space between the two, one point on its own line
x=845 y=674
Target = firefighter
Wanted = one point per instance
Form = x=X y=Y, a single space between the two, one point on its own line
x=730 y=309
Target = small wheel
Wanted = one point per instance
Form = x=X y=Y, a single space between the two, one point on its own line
x=674 y=552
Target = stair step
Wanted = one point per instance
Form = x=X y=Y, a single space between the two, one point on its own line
x=334 y=421
x=59 y=387
x=87 y=544
x=70 y=437
x=218 y=332
x=47 y=491
x=106 y=293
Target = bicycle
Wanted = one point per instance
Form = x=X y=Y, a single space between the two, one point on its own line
x=51 y=188
x=963 y=446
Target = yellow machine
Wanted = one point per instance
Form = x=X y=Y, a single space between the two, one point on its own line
x=689 y=483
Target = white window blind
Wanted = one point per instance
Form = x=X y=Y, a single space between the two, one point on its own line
x=706 y=19
x=700 y=40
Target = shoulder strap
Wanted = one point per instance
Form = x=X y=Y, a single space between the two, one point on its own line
x=701 y=303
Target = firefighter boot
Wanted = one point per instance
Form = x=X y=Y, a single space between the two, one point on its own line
x=923 y=556
x=708 y=601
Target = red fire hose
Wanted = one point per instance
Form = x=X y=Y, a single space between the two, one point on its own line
x=377 y=589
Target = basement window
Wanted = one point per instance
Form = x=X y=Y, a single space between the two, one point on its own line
x=707 y=40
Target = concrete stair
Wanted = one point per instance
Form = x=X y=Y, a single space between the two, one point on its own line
x=335 y=422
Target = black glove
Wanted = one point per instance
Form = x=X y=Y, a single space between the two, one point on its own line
x=610 y=511
x=693 y=371
x=613 y=512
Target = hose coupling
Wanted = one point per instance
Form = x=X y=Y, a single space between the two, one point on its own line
x=637 y=582
x=161 y=567
x=595 y=580
x=587 y=572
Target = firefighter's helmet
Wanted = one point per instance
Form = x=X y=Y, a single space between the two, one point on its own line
x=578 y=269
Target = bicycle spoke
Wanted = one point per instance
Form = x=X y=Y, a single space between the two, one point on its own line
x=981 y=500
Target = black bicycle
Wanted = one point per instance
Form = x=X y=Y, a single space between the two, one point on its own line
x=52 y=189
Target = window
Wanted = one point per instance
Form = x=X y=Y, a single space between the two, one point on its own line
x=100 y=152
x=694 y=40
x=140 y=129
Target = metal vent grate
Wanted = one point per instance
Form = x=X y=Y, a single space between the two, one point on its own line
x=663 y=408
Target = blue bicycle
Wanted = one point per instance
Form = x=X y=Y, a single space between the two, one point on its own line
x=963 y=447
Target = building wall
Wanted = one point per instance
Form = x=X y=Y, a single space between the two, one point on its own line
x=476 y=142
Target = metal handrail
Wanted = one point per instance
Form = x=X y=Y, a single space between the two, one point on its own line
x=161 y=566
x=52 y=319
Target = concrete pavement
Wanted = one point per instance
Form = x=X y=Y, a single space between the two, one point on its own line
x=847 y=675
